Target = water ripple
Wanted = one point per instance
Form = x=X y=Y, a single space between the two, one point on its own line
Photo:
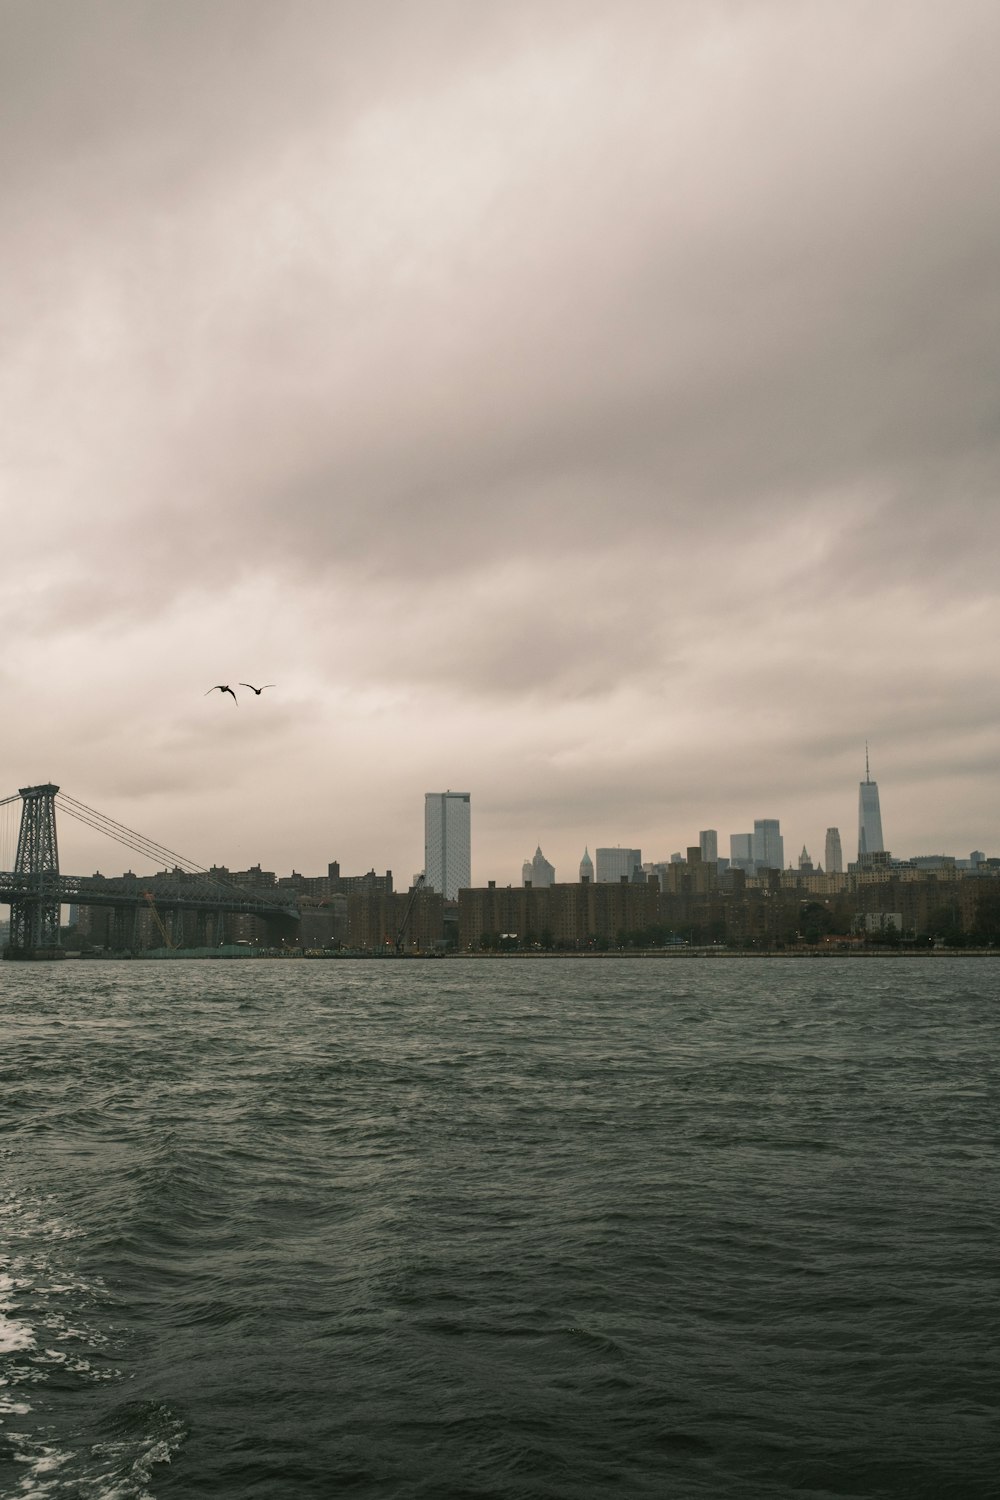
x=550 y=1230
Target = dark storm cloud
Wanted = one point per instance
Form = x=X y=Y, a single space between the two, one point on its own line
x=756 y=297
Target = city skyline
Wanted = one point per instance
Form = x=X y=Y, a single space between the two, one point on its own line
x=449 y=849
x=589 y=407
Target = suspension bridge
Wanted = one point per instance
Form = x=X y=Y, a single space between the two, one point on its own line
x=35 y=888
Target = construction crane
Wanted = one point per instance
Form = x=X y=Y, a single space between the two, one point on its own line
x=417 y=885
x=149 y=897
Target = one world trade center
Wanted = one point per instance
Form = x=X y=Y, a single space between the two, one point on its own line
x=869 y=816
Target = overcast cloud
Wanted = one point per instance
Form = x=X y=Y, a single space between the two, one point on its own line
x=593 y=407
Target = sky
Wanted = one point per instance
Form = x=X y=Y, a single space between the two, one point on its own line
x=592 y=407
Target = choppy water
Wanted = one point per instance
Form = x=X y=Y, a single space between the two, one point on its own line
x=565 y=1228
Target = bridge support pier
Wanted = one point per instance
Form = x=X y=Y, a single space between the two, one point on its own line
x=34 y=918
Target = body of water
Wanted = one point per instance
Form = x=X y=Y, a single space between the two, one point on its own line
x=560 y=1228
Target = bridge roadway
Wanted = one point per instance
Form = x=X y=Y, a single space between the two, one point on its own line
x=179 y=892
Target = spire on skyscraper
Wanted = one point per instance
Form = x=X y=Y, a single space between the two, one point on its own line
x=869 y=815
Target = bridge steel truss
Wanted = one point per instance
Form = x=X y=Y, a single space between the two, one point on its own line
x=35 y=890
x=34 y=913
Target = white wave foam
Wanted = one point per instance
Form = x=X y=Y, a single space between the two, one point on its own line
x=158 y=1450
x=50 y=1325
x=8 y=1406
x=41 y=1465
x=14 y=1335
x=41 y=1476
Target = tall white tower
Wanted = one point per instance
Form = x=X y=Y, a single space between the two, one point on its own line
x=447 y=842
x=587 y=867
x=833 y=859
x=869 y=815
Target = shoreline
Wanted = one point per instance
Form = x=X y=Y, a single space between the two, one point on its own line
x=612 y=954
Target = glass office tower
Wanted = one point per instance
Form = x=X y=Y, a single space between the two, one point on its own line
x=447 y=843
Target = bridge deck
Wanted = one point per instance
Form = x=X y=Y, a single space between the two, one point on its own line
x=168 y=895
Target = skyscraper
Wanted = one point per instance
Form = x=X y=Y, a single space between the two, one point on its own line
x=612 y=864
x=587 y=867
x=741 y=852
x=708 y=839
x=833 y=858
x=538 y=870
x=447 y=843
x=768 y=845
x=869 y=815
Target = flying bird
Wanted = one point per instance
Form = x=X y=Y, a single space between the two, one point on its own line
x=221 y=687
x=257 y=690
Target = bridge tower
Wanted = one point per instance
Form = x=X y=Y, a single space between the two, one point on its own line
x=34 y=917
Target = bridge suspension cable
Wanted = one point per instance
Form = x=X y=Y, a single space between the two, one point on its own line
x=168 y=859
x=137 y=842
x=10 y=827
x=140 y=843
